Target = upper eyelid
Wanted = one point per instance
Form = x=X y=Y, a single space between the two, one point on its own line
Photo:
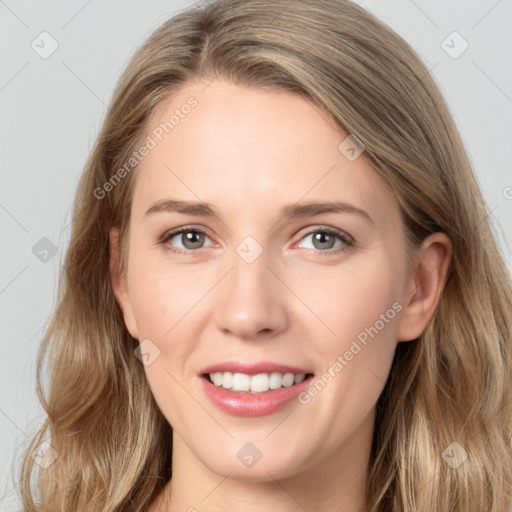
x=329 y=229
x=305 y=232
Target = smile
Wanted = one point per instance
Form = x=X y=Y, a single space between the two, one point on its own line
x=259 y=383
x=253 y=389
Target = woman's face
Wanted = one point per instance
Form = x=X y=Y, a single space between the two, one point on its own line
x=291 y=261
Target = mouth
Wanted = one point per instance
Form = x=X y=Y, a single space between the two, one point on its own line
x=249 y=389
x=255 y=384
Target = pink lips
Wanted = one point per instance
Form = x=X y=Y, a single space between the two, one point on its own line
x=240 y=403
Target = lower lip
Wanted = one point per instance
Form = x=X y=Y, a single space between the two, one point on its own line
x=240 y=403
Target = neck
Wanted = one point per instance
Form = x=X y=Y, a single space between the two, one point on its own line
x=336 y=483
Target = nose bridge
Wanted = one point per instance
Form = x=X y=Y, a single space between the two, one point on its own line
x=250 y=298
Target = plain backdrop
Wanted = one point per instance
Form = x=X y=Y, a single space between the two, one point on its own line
x=52 y=107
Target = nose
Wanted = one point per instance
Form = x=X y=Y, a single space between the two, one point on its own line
x=251 y=300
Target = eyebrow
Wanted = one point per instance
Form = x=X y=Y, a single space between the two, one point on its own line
x=291 y=211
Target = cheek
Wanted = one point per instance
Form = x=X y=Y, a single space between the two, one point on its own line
x=350 y=299
x=167 y=303
x=162 y=294
x=153 y=305
x=164 y=301
x=360 y=305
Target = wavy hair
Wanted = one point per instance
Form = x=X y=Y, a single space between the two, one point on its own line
x=452 y=384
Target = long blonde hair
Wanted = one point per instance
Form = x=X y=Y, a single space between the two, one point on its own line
x=452 y=385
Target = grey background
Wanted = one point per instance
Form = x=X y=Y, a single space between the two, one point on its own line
x=51 y=110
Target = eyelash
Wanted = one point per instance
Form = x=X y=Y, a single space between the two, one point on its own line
x=347 y=241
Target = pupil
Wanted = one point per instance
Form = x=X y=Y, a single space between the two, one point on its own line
x=193 y=240
x=324 y=238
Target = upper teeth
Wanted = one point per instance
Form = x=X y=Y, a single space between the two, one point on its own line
x=255 y=383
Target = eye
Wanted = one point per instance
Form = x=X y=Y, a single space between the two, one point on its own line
x=190 y=239
x=324 y=240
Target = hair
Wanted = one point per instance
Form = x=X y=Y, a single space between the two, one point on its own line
x=450 y=385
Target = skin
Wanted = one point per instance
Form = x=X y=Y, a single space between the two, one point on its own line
x=248 y=152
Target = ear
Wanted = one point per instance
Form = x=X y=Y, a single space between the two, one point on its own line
x=120 y=283
x=424 y=286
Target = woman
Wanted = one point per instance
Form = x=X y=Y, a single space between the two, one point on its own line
x=282 y=290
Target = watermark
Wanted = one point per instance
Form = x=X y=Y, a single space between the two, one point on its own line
x=45 y=455
x=44 y=250
x=342 y=360
x=454 y=45
x=249 y=454
x=454 y=455
x=507 y=193
x=351 y=147
x=147 y=352
x=44 y=45
x=249 y=249
x=150 y=143
x=175 y=119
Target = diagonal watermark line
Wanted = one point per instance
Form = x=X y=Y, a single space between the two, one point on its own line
x=430 y=480
x=492 y=81
x=199 y=403
x=485 y=15
x=14 y=218
x=3 y=3
x=286 y=491
x=37 y=332
x=424 y=14
x=12 y=280
x=467 y=419
x=196 y=303
x=14 y=76
x=281 y=12
x=410 y=91
x=83 y=83
x=193 y=192
x=301 y=300
x=76 y=14
x=14 y=423
x=73 y=219
x=217 y=486
x=9 y=491
x=210 y=82
x=490 y=213
x=280 y=423
x=369 y=369
x=304 y=195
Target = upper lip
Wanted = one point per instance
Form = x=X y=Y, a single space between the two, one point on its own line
x=252 y=368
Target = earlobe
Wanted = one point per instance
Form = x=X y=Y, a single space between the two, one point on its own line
x=425 y=285
x=120 y=284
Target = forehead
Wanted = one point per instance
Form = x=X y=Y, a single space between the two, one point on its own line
x=244 y=147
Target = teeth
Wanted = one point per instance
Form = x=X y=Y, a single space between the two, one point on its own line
x=259 y=383
x=275 y=381
x=241 y=382
x=299 y=378
x=255 y=383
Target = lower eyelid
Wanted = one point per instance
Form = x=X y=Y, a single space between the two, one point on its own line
x=345 y=239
